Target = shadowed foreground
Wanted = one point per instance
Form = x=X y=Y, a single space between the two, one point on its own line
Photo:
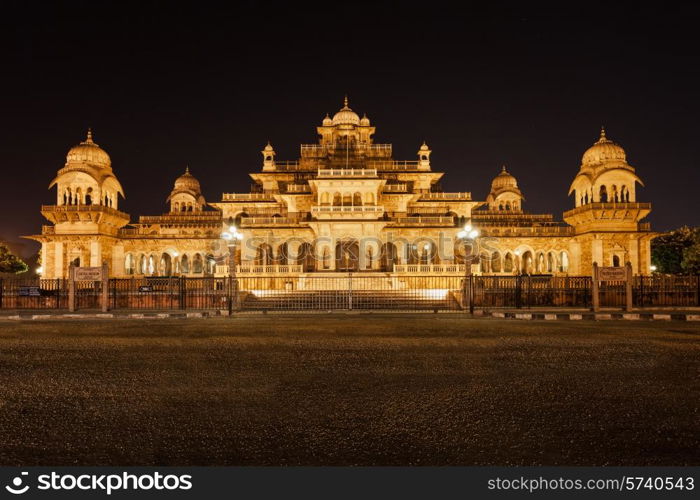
x=355 y=389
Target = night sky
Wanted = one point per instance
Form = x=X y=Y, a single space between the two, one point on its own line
x=165 y=86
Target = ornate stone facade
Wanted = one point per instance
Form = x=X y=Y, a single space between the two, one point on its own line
x=347 y=205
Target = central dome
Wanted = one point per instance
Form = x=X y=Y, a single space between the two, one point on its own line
x=604 y=150
x=187 y=181
x=346 y=116
x=90 y=153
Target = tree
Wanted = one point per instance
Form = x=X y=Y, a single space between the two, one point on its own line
x=677 y=252
x=10 y=263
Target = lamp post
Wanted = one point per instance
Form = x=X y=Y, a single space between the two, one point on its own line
x=232 y=237
x=468 y=234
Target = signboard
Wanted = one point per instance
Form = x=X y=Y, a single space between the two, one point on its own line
x=88 y=274
x=29 y=291
x=146 y=288
x=612 y=274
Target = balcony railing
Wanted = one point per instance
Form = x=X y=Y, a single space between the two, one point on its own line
x=645 y=226
x=248 y=197
x=446 y=196
x=430 y=268
x=395 y=188
x=268 y=221
x=258 y=269
x=298 y=188
x=347 y=172
x=528 y=231
x=84 y=208
x=348 y=209
x=609 y=206
x=423 y=221
x=393 y=165
x=48 y=230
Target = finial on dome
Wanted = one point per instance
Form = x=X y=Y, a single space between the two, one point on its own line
x=602 y=135
x=187 y=169
x=503 y=169
x=345 y=101
x=88 y=139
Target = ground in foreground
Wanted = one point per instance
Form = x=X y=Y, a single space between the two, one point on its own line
x=349 y=389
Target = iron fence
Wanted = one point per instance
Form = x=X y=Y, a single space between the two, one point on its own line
x=348 y=292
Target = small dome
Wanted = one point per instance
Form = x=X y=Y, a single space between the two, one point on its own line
x=424 y=147
x=89 y=152
x=604 y=150
x=346 y=116
x=187 y=182
x=364 y=121
x=268 y=148
x=504 y=180
x=327 y=122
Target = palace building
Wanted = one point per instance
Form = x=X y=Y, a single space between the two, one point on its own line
x=346 y=205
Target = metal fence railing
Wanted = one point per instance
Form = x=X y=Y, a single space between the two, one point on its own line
x=350 y=291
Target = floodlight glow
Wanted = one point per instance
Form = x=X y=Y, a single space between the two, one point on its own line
x=467 y=228
x=473 y=233
x=39 y=270
x=652 y=268
x=226 y=236
x=462 y=234
x=517 y=252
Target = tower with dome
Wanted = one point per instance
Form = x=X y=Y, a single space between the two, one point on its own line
x=346 y=205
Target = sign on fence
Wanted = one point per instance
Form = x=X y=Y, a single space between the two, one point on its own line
x=88 y=274
x=612 y=273
x=29 y=291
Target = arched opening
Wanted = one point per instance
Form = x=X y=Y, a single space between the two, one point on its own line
x=283 y=254
x=550 y=262
x=197 y=264
x=305 y=257
x=388 y=257
x=527 y=263
x=369 y=257
x=239 y=218
x=129 y=264
x=603 y=194
x=508 y=265
x=151 y=265
x=427 y=252
x=210 y=264
x=563 y=262
x=142 y=267
x=616 y=261
x=369 y=198
x=496 y=262
x=166 y=265
x=357 y=199
x=337 y=200
x=347 y=199
x=263 y=255
x=347 y=256
x=325 y=198
x=88 y=196
x=485 y=266
x=326 y=258
x=540 y=264
x=185 y=264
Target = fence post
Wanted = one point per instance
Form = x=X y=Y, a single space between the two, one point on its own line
x=230 y=295
x=2 y=286
x=595 y=289
x=697 y=290
x=350 y=291
x=105 y=288
x=518 y=291
x=181 y=292
x=628 y=287
x=71 y=287
x=471 y=294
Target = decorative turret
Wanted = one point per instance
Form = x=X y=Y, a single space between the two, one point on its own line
x=604 y=175
x=424 y=157
x=268 y=157
x=505 y=194
x=87 y=177
x=186 y=195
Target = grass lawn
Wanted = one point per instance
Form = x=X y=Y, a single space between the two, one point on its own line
x=349 y=389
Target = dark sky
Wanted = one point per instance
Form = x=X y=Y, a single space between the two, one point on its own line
x=163 y=86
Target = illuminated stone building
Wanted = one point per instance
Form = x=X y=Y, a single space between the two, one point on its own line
x=346 y=205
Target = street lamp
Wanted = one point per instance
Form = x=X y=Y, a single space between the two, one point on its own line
x=232 y=237
x=468 y=233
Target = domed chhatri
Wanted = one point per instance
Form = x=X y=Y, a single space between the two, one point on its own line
x=186 y=195
x=89 y=152
x=505 y=194
x=346 y=116
x=604 y=151
x=604 y=176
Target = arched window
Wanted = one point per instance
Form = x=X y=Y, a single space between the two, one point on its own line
x=185 y=264
x=496 y=262
x=283 y=254
x=337 y=200
x=347 y=199
x=129 y=264
x=603 y=194
x=388 y=256
x=369 y=257
x=197 y=264
x=263 y=255
x=326 y=258
x=563 y=262
x=151 y=265
x=166 y=264
x=527 y=262
x=508 y=263
x=369 y=197
x=616 y=261
x=550 y=262
x=325 y=198
x=210 y=263
x=539 y=266
x=357 y=199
